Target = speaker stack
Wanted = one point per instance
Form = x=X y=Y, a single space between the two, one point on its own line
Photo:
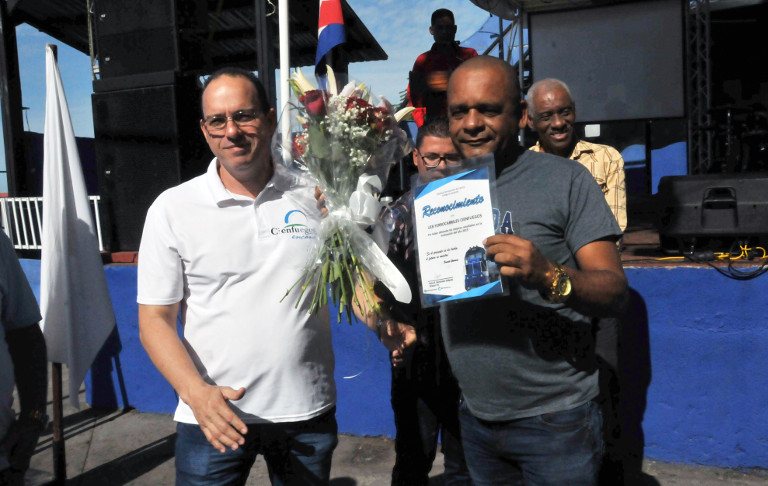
x=146 y=107
x=712 y=211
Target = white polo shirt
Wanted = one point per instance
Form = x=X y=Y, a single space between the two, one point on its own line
x=230 y=260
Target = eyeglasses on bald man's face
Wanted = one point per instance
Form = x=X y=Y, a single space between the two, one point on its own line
x=241 y=118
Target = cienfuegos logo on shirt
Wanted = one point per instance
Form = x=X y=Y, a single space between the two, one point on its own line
x=295 y=226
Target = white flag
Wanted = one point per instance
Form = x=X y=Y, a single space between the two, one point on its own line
x=74 y=299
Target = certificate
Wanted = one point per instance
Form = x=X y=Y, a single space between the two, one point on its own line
x=451 y=217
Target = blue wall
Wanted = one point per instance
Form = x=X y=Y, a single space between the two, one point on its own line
x=693 y=366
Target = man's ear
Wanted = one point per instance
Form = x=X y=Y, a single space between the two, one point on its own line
x=272 y=118
x=415 y=160
x=431 y=30
x=524 y=119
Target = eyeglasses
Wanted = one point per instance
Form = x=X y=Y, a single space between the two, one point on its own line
x=432 y=160
x=242 y=118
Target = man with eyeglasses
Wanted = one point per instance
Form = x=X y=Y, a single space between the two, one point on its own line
x=254 y=375
x=552 y=113
x=429 y=76
x=424 y=393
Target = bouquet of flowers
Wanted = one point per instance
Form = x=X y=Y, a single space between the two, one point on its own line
x=347 y=143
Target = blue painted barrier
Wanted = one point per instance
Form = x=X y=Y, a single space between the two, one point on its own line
x=693 y=366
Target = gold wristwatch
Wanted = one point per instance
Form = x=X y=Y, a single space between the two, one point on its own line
x=561 y=286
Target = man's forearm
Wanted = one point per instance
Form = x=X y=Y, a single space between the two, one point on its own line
x=597 y=293
x=30 y=367
x=165 y=349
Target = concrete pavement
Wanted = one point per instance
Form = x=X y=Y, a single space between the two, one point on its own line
x=116 y=447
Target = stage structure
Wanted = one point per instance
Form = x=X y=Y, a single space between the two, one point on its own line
x=148 y=58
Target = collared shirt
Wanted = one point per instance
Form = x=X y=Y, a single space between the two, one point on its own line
x=607 y=167
x=229 y=259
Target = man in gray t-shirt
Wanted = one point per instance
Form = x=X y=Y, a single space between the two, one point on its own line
x=525 y=362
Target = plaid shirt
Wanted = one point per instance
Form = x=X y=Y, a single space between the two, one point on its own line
x=607 y=167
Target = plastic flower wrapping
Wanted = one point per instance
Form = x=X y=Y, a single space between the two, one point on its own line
x=346 y=142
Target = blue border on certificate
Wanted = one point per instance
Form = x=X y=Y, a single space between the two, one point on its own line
x=466 y=271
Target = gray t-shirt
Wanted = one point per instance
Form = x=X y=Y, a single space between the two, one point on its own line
x=518 y=356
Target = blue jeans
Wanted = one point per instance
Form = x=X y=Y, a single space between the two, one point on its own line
x=547 y=450
x=296 y=453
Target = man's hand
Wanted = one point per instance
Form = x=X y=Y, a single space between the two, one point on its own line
x=320 y=198
x=19 y=443
x=520 y=259
x=221 y=426
x=397 y=337
x=599 y=283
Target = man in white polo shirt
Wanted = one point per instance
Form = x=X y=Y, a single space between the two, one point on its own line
x=254 y=375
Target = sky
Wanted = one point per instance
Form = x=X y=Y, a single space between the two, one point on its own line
x=400 y=26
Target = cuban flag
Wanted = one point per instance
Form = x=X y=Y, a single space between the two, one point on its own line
x=330 y=32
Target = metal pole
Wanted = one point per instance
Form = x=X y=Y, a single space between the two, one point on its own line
x=521 y=63
x=264 y=55
x=285 y=67
x=59 y=451
x=501 y=38
x=10 y=99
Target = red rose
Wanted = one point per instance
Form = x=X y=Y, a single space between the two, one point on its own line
x=380 y=119
x=314 y=102
x=355 y=102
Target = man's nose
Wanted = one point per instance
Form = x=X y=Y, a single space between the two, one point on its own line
x=232 y=129
x=557 y=120
x=473 y=121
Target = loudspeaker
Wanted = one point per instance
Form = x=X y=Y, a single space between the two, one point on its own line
x=712 y=211
x=145 y=36
x=147 y=140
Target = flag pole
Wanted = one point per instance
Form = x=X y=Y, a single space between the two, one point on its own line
x=285 y=67
x=59 y=451
x=57 y=445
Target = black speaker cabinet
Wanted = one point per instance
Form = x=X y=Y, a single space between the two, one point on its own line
x=712 y=211
x=145 y=36
x=147 y=140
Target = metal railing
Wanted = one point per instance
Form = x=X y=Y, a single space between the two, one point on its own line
x=22 y=220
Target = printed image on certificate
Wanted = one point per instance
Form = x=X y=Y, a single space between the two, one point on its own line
x=452 y=216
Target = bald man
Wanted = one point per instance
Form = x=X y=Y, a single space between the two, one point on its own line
x=525 y=362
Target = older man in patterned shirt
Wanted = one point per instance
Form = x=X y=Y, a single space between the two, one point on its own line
x=552 y=113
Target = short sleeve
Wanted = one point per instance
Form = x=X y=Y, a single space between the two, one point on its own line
x=590 y=219
x=160 y=272
x=18 y=304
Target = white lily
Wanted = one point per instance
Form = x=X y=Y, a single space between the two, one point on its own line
x=332 y=90
x=384 y=103
x=301 y=82
x=403 y=113
x=348 y=90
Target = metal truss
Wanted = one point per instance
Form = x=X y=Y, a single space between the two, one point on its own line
x=699 y=83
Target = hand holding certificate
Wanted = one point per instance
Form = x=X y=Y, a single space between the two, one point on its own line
x=452 y=216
